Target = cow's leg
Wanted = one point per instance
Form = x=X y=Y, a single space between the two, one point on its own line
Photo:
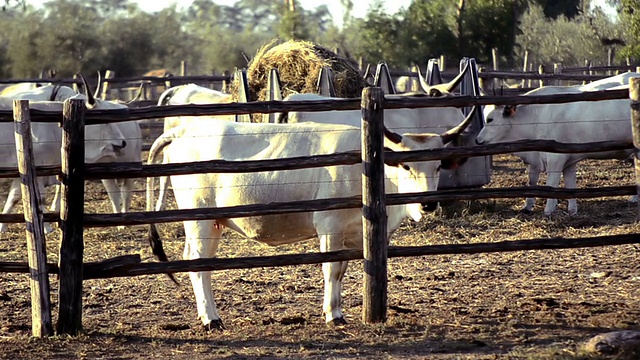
x=333 y=275
x=47 y=227
x=115 y=195
x=14 y=196
x=569 y=175
x=201 y=241
x=555 y=166
x=127 y=191
x=534 y=175
x=113 y=191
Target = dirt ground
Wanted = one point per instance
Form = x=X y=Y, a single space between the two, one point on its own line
x=518 y=305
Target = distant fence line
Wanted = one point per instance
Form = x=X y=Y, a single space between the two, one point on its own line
x=73 y=219
x=130 y=83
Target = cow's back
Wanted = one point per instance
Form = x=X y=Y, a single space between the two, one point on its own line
x=242 y=142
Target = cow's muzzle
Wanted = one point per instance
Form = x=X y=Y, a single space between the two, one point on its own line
x=120 y=147
x=430 y=206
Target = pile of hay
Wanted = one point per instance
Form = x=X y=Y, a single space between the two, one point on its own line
x=299 y=64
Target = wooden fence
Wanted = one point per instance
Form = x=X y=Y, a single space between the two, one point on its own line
x=126 y=88
x=72 y=271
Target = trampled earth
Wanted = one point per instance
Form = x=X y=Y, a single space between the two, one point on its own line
x=517 y=305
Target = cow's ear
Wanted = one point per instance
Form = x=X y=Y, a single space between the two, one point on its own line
x=393 y=137
x=509 y=111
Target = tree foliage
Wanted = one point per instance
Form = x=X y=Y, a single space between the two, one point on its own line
x=91 y=35
x=630 y=19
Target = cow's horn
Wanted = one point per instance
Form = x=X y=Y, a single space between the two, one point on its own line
x=453 y=83
x=96 y=94
x=451 y=134
x=423 y=82
x=90 y=99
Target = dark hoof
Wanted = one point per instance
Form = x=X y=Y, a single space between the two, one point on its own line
x=526 y=212
x=215 y=325
x=337 y=322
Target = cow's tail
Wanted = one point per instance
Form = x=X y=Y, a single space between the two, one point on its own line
x=154 y=237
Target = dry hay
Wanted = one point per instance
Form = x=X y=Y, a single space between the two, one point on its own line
x=299 y=64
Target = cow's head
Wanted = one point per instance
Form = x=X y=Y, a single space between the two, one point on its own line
x=498 y=125
x=103 y=142
x=422 y=176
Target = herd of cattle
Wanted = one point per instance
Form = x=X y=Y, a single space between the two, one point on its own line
x=187 y=139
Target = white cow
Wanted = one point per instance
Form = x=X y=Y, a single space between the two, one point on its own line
x=421 y=120
x=338 y=229
x=182 y=95
x=102 y=142
x=538 y=162
x=578 y=122
x=610 y=82
x=403 y=121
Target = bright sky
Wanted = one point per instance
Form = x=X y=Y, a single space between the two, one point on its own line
x=360 y=6
x=359 y=10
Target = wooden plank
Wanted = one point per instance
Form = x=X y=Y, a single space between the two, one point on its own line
x=41 y=324
x=137 y=170
x=634 y=94
x=374 y=212
x=392 y=102
x=129 y=265
x=153 y=217
x=71 y=216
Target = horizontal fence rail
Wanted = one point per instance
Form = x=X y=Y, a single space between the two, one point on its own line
x=391 y=102
x=131 y=265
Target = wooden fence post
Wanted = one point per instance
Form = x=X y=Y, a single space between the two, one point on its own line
x=71 y=216
x=587 y=64
x=496 y=65
x=374 y=215
x=557 y=70
x=525 y=67
x=41 y=324
x=183 y=68
x=541 y=71
x=634 y=94
x=611 y=53
x=226 y=84
x=105 y=84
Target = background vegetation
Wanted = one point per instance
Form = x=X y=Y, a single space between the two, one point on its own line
x=87 y=36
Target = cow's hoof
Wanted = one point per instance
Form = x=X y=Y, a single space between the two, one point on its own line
x=4 y=228
x=337 y=322
x=215 y=325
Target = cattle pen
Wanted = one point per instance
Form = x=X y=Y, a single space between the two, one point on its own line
x=72 y=272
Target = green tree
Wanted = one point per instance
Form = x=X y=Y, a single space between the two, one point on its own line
x=498 y=20
x=630 y=20
x=565 y=41
x=555 y=8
